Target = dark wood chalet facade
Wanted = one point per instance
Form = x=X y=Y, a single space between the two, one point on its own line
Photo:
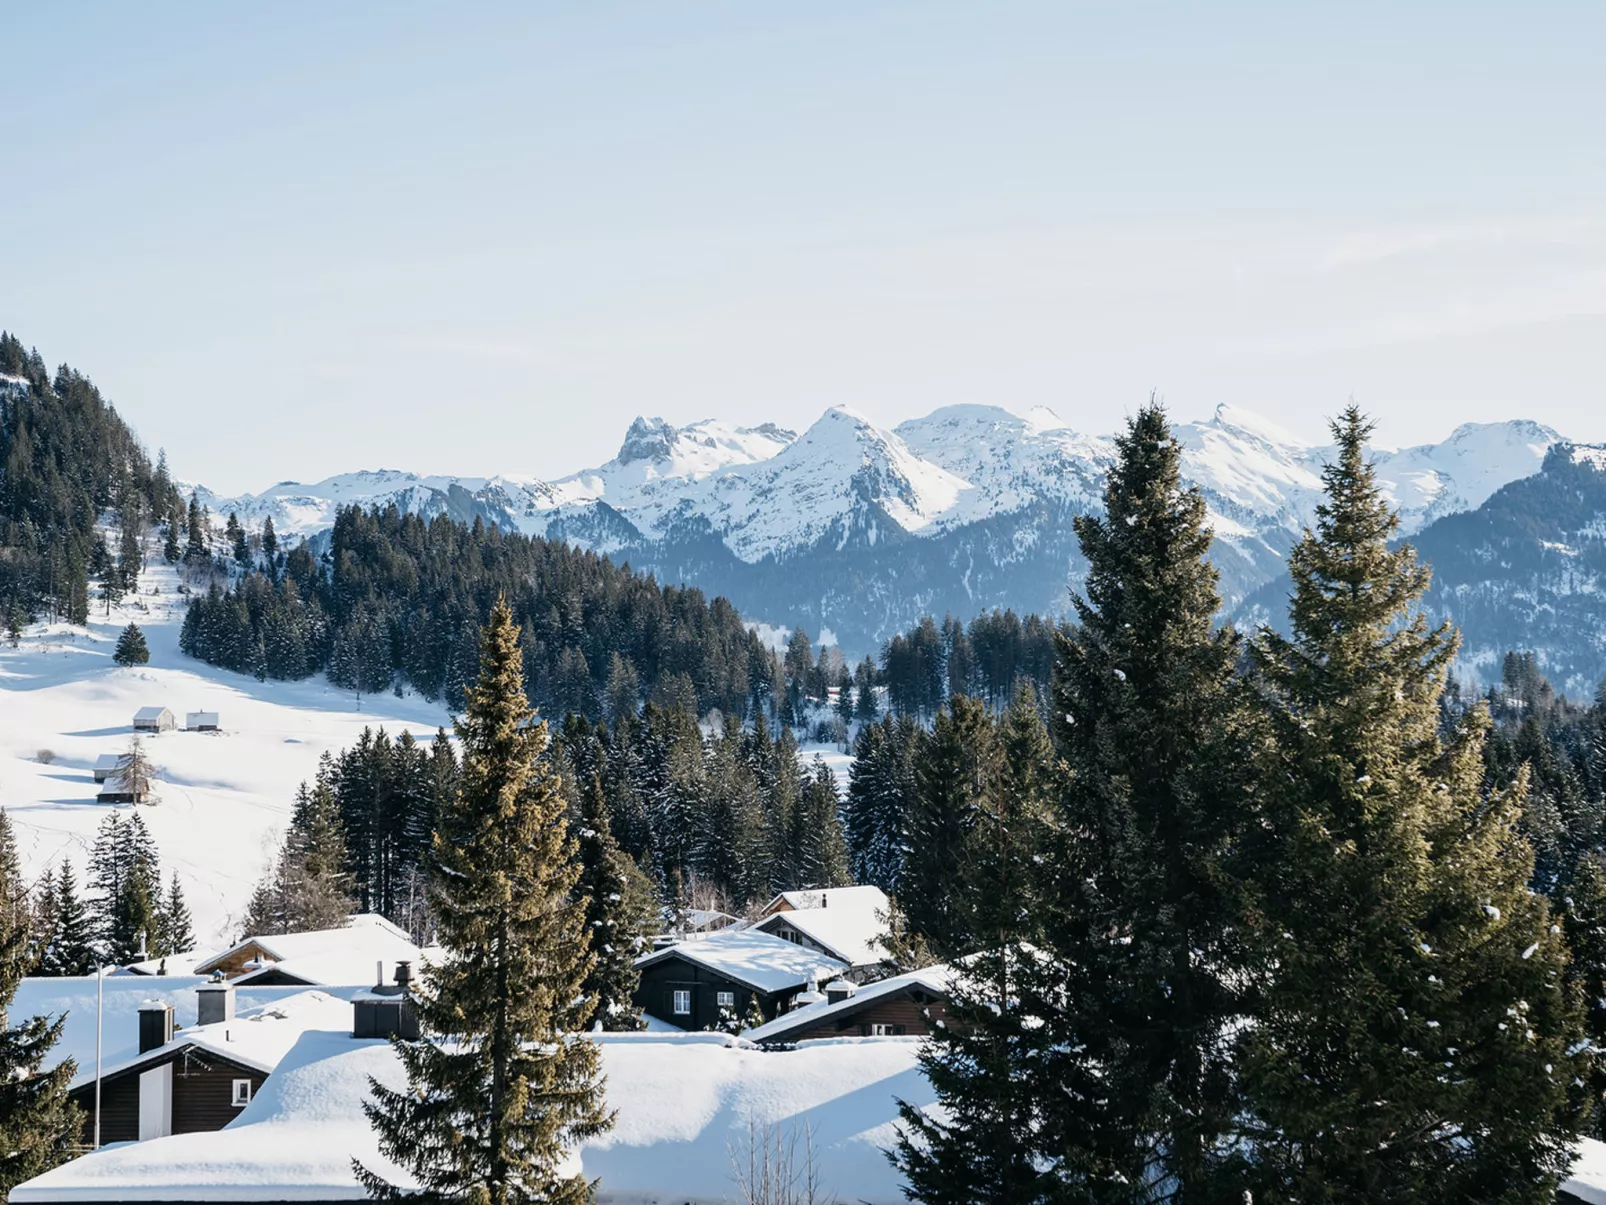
x=714 y=982
x=191 y=1090
x=693 y=996
x=173 y=1087
x=907 y=1010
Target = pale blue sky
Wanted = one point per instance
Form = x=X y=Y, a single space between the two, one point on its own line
x=290 y=240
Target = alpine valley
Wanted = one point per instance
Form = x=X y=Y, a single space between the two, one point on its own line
x=855 y=531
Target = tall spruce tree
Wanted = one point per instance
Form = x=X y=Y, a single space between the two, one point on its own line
x=131 y=548
x=127 y=880
x=621 y=914
x=69 y=948
x=821 y=851
x=1413 y=1037
x=1138 y=928
x=881 y=787
x=171 y=551
x=197 y=554
x=1584 y=926
x=39 y=1124
x=175 y=929
x=954 y=767
x=500 y=1088
x=984 y=1149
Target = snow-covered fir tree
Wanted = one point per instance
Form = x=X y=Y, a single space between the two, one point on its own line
x=500 y=1086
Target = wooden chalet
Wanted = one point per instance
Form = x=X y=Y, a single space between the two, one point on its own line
x=713 y=981
x=154 y=719
x=106 y=766
x=116 y=790
x=200 y=721
x=902 y=1006
x=846 y=923
x=185 y=1081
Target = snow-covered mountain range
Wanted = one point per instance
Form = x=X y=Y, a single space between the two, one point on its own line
x=860 y=529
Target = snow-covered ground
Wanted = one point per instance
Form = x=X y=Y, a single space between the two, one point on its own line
x=223 y=798
x=690 y=1110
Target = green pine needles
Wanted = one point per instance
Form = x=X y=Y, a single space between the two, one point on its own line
x=1260 y=929
x=501 y=1088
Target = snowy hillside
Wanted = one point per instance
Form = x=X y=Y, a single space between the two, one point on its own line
x=224 y=798
x=860 y=530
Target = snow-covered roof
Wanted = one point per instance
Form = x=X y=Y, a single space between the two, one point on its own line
x=257 y=1038
x=326 y=956
x=698 y=919
x=848 y=922
x=151 y=713
x=179 y=963
x=933 y=978
x=72 y=998
x=866 y=897
x=759 y=960
x=1587 y=1180
x=200 y=717
x=685 y=1103
x=108 y=761
x=294 y=1141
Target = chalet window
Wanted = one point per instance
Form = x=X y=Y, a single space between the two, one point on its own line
x=881 y=1029
x=242 y=1093
x=682 y=1004
x=725 y=999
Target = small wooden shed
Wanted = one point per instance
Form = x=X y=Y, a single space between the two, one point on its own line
x=115 y=790
x=154 y=719
x=200 y=721
x=106 y=766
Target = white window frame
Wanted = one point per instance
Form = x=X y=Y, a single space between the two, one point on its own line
x=682 y=1002
x=242 y=1093
x=725 y=999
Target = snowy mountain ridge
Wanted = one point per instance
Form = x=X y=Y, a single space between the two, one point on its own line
x=861 y=529
x=767 y=491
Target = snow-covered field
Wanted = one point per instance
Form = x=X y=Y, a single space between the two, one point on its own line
x=223 y=798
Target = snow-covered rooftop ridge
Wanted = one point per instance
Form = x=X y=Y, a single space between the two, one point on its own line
x=684 y=1103
x=860 y=897
x=73 y=999
x=293 y=1142
x=257 y=1038
x=934 y=979
x=763 y=962
x=847 y=921
x=340 y=956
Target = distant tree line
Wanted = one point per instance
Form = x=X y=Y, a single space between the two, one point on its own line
x=398 y=599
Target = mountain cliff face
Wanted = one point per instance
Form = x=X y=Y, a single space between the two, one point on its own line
x=858 y=530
